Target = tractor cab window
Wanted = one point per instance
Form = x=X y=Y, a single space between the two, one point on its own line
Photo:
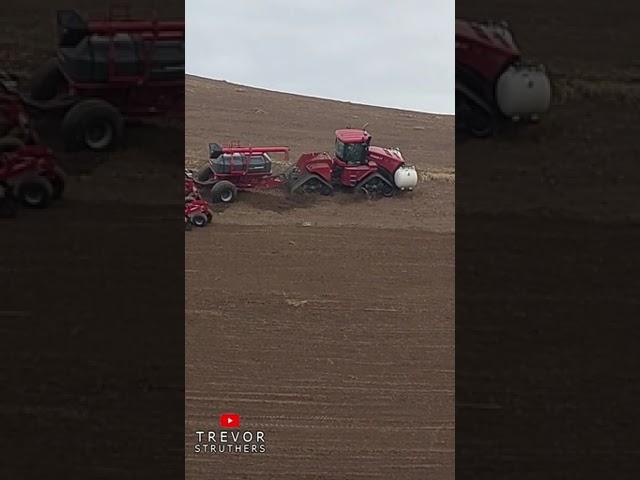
x=352 y=153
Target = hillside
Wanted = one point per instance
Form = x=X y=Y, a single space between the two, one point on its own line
x=222 y=112
x=326 y=322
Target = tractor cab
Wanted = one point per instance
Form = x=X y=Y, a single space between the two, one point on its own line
x=352 y=146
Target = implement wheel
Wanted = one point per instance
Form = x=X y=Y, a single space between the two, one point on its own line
x=93 y=124
x=224 y=192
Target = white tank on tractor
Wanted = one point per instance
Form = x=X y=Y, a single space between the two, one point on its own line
x=406 y=177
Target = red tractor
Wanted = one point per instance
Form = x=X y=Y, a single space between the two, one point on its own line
x=30 y=174
x=356 y=165
x=493 y=82
x=106 y=72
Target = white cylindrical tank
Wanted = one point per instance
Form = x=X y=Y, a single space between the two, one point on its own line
x=406 y=177
x=523 y=91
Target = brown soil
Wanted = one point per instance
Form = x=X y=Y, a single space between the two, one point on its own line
x=546 y=268
x=85 y=364
x=325 y=322
x=580 y=161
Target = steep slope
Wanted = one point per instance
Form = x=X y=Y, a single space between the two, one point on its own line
x=222 y=112
x=326 y=322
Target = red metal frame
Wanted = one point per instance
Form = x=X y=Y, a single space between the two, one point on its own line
x=193 y=202
x=196 y=206
x=352 y=135
x=136 y=95
x=29 y=160
x=484 y=51
x=257 y=150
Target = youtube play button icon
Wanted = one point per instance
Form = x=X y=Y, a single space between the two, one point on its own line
x=230 y=420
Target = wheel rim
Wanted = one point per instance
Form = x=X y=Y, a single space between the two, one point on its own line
x=199 y=220
x=33 y=196
x=226 y=195
x=98 y=134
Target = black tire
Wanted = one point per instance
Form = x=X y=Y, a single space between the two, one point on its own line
x=326 y=190
x=224 y=192
x=10 y=144
x=199 y=219
x=388 y=190
x=35 y=193
x=375 y=185
x=46 y=81
x=310 y=184
x=477 y=121
x=481 y=124
x=93 y=124
x=204 y=174
x=313 y=185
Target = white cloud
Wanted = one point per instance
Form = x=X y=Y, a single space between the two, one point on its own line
x=379 y=52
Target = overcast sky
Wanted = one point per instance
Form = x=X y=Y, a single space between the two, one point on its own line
x=378 y=52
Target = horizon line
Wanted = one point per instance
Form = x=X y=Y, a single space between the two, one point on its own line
x=319 y=98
